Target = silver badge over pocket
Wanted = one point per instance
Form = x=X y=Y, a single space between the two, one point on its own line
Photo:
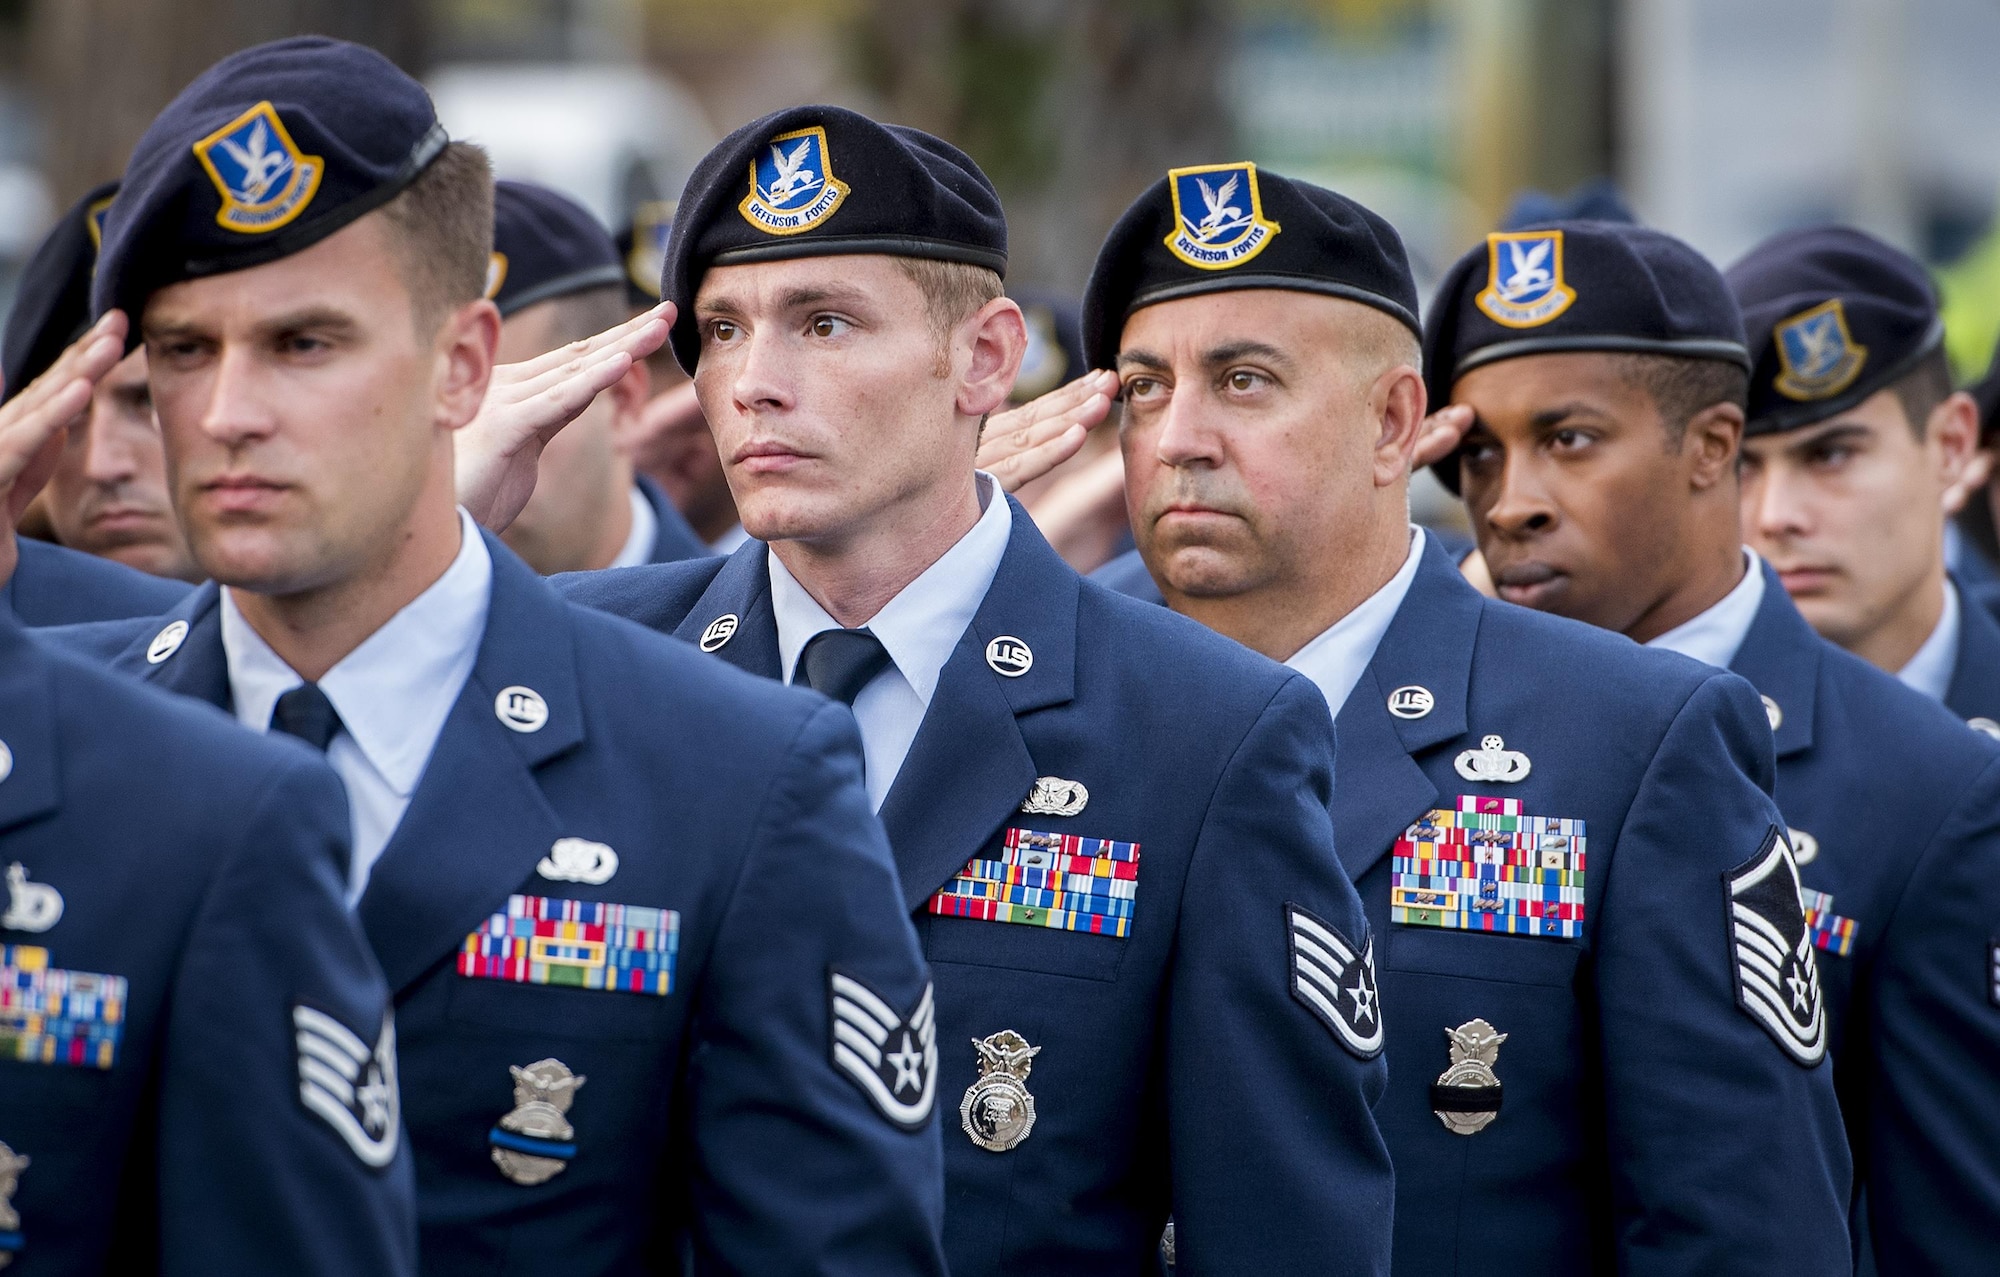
x=534 y=1143
x=998 y=1112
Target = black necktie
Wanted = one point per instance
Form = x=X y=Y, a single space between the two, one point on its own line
x=306 y=713
x=839 y=663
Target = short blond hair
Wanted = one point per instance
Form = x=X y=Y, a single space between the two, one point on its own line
x=442 y=226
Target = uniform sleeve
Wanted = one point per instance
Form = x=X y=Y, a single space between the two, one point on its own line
x=276 y=997
x=801 y=1169
x=1933 y=1109
x=1727 y=1153
x=1273 y=1066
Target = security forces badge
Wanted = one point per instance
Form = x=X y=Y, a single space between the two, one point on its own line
x=1777 y=977
x=792 y=186
x=1524 y=279
x=264 y=180
x=1817 y=356
x=1219 y=218
x=534 y=1142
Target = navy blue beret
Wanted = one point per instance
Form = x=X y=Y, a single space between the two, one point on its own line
x=1595 y=201
x=1833 y=315
x=546 y=245
x=642 y=246
x=820 y=181
x=1223 y=227
x=52 y=301
x=267 y=153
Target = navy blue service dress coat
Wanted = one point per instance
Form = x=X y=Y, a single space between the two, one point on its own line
x=197 y=1069
x=1186 y=1057
x=1974 y=691
x=624 y=917
x=1895 y=808
x=55 y=585
x=1644 y=1121
x=676 y=538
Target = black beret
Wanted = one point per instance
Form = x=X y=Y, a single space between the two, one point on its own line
x=1224 y=227
x=820 y=181
x=267 y=153
x=1833 y=315
x=546 y=245
x=1575 y=286
x=642 y=246
x=1986 y=393
x=1055 y=342
x=52 y=301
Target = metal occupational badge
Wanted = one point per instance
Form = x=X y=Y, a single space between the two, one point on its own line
x=1777 y=979
x=1335 y=979
x=792 y=186
x=11 y=1239
x=892 y=1058
x=350 y=1084
x=534 y=1143
x=1466 y=1096
x=1524 y=279
x=1493 y=763
x=998 y=1112
x=31 y=906
x=579 y=860
x=1054 y=796
x=1219 y=217
x=1819 y=358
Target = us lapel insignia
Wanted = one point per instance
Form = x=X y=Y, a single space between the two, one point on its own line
x=31 y=906
x=1493 y=763
x=52 y=1016
x=1777 y=980
x=1009 y=656
x=521 y=708
x=11 y=1240
x=1335 y=980
x=1065 y=881
x=891 y=1057
x=1489 y=867
x=1772 y=713
x=350 y=1083
x=1466 y=1096
x=719 y=631
x=6 y=761
x=535 y=1142
x=1831 y=933
x=585 y=944
x=1054 y=796
x=998 y=1111
x=1412 y=702
x=166 y=642
x=1985 y=726
x=578 y=860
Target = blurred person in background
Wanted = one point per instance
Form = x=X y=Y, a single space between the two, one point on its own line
x=1855 y=455
x=557 y=277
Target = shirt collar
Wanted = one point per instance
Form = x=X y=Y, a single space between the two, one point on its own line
x=638 y=547
x=923 y=623
x=395 y=690
x=1714 y=636
x=1337 y=658
x=1930 y=670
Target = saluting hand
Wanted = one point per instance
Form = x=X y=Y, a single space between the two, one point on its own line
x=31 y=423
x=1022 y=444
x=1440 y=434
x=527 y=403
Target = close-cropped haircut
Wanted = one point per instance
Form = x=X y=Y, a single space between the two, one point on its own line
x=586 y=313
x=952 y=291
x=442 y=227
x=1923 y=388
x=1682 y=388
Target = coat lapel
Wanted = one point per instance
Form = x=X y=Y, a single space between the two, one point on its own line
x=196 y=668
x=969 y=768
x=1780 y=658
x=478 y=820
x=1380 y=786
x=30 y=782
x=742 y=589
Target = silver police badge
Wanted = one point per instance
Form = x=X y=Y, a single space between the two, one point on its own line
x=535 y=1142
x=1777 y=976
x=1466 y=1096
x=11 y=1166
x=1493 y=763
x=998 y=1111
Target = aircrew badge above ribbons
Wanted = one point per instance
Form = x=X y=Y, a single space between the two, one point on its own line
x=1488 y=867
x=581 y=944
x=52 y=1016
x=1048 y=880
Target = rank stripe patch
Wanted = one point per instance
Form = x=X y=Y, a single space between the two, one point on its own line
x=1777 y=978
x=1486 y=866
x=1335 y=983
x=884 y=1054
x=581 y=944
x=52 y=1016
x=349 y=1084
x=1065 y=881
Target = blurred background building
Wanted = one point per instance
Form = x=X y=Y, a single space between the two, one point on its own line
x=1720 y=120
